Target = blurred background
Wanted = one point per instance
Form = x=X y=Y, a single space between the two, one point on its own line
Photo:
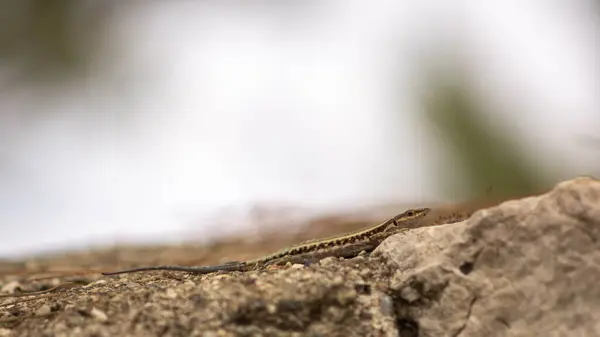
x=160 y=121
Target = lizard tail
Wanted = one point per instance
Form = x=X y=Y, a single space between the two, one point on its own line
x=231 y=266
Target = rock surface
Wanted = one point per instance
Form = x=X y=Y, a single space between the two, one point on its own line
x=527 y=267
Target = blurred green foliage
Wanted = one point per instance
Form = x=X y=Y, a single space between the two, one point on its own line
x=481 y=157
x=49 y=40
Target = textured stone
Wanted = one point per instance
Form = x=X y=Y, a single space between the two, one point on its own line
x=527 y=267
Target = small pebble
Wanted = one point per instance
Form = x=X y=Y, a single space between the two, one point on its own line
x=409 y=294
x=43 y=310
x=130 y=284
x=172 y=294
x=99 y=315
x=328 y=261
x=365 y=273
x=387 y=306
x=10 y=287
x=337 y=280
x=97 y=283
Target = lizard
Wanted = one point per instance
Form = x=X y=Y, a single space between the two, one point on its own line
x=348 y=245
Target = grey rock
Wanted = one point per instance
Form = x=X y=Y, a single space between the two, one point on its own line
x=527 y=267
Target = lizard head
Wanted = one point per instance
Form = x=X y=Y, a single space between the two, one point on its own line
x=410 y=216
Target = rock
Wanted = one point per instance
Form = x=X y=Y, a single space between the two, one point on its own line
x=171 y=293
x=99 y=315
x=10 y=287
x=387 y=306
x=328 y=261
x=527 y=267
x=95 y=284
x=43 y=310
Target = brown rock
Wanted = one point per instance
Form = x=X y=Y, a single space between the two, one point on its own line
x=99 y=315
x=10 y=287
x=43 y=310
x=527 y=267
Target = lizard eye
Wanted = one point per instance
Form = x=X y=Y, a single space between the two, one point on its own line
x=410 y=213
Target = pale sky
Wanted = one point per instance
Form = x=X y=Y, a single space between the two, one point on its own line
x=236 y=107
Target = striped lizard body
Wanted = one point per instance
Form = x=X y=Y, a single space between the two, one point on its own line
x=348 y=245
